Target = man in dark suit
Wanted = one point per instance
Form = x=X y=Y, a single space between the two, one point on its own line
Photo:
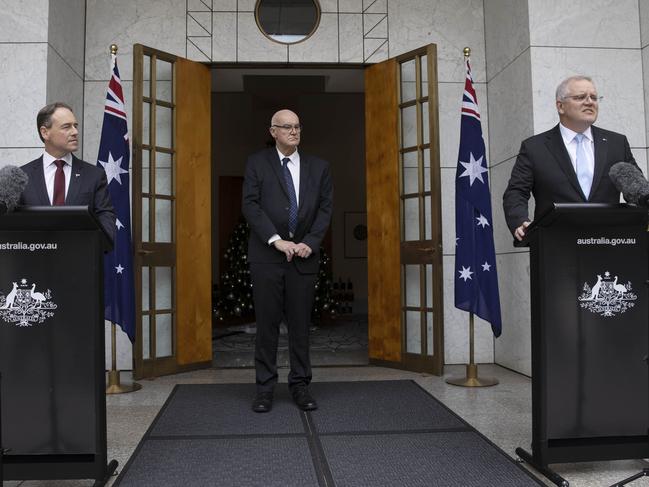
x=287 y=201
x=58 y=177
x=567 y=164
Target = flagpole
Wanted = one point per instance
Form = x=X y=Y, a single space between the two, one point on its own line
x=471 y=378
x=114 y=385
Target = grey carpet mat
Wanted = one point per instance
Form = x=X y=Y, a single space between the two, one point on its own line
x=379 y=433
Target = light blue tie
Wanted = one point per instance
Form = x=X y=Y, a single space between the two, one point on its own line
x=584 y=172
x=292 y=198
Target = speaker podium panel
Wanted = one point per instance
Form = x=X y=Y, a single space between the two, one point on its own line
x=52 y=344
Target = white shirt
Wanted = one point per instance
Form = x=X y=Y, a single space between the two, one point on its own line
x=294 y=168
x=571 y=145
x=49 y=171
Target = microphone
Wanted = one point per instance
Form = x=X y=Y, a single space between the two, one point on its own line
x=12 y=182
x=630 y=181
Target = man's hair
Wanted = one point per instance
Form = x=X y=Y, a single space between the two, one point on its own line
x=562 y=89
x=44 y=117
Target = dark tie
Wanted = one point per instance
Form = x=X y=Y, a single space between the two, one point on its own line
x=292 y=209
x=59 y=184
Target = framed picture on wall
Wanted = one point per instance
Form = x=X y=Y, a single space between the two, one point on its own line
x=355 y=235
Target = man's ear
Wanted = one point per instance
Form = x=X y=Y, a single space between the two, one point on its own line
x=560 y=107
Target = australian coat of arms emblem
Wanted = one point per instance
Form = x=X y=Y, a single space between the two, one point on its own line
x=23 y=305
x=607 y=296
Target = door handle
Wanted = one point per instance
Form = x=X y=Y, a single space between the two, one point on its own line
x=145 y=252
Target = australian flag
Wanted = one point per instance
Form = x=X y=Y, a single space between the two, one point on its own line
x=476 y=280
x=114 y=156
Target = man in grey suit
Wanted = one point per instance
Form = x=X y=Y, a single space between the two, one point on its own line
x=58 y=177
x=287 y=201
x=567 y=164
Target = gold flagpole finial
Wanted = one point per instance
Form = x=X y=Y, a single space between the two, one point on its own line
x=467 y=51
x=113 y=49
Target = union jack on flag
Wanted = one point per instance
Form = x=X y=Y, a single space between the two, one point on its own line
x=114 y=157
x=476 y=280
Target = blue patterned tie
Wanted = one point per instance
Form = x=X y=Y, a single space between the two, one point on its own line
x=292 y=209
x=584 y=173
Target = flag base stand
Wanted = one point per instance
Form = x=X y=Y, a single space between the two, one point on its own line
x=114 y=385
x=472 y=379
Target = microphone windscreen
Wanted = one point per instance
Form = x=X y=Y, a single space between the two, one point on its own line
x=12 y=183
x=630 y=181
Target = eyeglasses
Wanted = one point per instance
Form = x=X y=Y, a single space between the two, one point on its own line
x=288 y=127
x=583 y=96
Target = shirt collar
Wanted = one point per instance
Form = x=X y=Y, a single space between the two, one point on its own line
x=568 y=135
x=49 y=159
x=295 y=157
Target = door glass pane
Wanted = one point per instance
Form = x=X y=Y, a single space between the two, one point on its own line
x=413 y=332
x=145 y=288
x=163 y=220
x=410 y=173
x=145 y=171
x=146 y=76
x=411 y=218
x=163 y=174
x=163 y=127
x=146 y=123
x=430 y=339
x=163 y=289
x=163 y=335
x=146 y=337
x=429 y=285
x=425 y=122
x=408 y=81
x=163 y=71
x=413 y=281
x=423 y=71
x=409 y=127
x=145 y=219
x=428 y=216
x=426 y=153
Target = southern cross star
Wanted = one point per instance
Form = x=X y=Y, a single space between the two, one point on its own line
x=486 y=266
x=119 y=268
x=473 y=169
x=465 y=273
x=482 y=221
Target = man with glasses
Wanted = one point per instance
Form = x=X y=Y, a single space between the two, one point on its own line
x=567 y=164
x=287 y=201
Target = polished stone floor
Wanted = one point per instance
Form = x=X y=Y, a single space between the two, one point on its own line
x=502 y=413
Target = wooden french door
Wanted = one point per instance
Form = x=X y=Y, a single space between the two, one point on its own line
x=171 y=213
x=405 y=293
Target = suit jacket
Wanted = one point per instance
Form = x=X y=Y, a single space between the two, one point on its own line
x=88 y=186
x=543 y=168
x=265 y=204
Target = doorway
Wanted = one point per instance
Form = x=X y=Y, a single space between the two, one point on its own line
x=330 y=103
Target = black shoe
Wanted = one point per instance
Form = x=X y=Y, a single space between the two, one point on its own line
x=303 y=399
x=263 y=402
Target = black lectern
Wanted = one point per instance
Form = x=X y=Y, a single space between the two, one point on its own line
x=589 y=272
x=53 y=411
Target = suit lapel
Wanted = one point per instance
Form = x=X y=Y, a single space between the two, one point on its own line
x=37 y=177
x=601 y=150
x=304 y=181
x=276 y=166
x=557 y=148
x=75 y=181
